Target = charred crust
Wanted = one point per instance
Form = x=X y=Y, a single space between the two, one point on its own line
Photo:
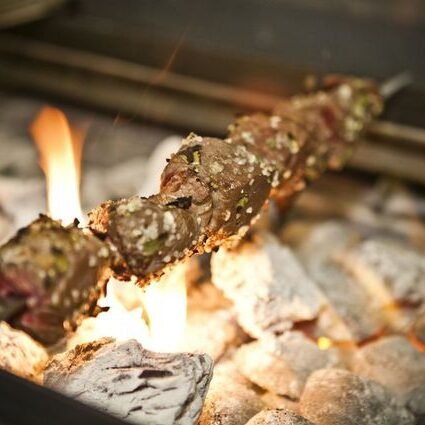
x=183 y=202
x=191 y=154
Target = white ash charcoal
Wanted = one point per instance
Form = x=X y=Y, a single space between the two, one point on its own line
x=418 y=329
x=339 y=397
x=283 y=364
x=295 y=231
x=233 y=406
x=134 y=384
x=20 y=354
x=330 y=325
x=226 y=371
x=324 y=240
x=389 y=197
x=329 y=198
x=274 y=401
x=388 y=269
x=278 y=417
x=267 y=284
x=212 y=333
x=359 y=318
x=416 y=404
x=229 y=402
x=393 y=362
x=206 y=297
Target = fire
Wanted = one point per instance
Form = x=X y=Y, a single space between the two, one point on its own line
x=156 y=315
x=60 y=154
x=165 y=304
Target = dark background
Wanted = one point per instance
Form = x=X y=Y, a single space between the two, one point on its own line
x=266 y=46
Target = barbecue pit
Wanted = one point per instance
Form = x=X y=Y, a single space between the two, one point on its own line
x=316 y=317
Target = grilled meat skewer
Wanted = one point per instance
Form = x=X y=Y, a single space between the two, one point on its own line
x=211 y=191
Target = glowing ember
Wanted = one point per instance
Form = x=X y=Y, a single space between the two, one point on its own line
x=154 y=316
x=324 y=343
x=60 y=154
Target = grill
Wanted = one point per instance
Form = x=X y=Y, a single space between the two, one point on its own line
x=141 y=71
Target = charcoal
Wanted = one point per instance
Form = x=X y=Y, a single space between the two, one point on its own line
x=389 y=269
x=205 y=296
x=418 y=329
x=283 y=364
x=416 y=404
x=386 y=208
x=324 y=240
x=132 y=383
x=359 y=318
x=330 y=325
x=230 y=401
x=20 y=354
x=268 y=286
x=294 y=231
x=393 y=362
x=278 y=417
x=339 y=397
x=212 y=333
x=226 y=372
x=274 y=401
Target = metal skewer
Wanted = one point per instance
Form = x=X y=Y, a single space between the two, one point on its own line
x=395 y=84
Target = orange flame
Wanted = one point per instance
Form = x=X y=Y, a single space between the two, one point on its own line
x=60 y=155
x=155 y=316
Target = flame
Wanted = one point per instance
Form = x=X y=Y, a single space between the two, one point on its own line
x=156 y=315
x=123 y=319
x=60 y=154
x=166 y=303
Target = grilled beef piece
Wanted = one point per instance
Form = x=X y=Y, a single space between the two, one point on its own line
x=54 y=273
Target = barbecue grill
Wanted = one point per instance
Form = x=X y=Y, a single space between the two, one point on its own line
x=141 y=71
